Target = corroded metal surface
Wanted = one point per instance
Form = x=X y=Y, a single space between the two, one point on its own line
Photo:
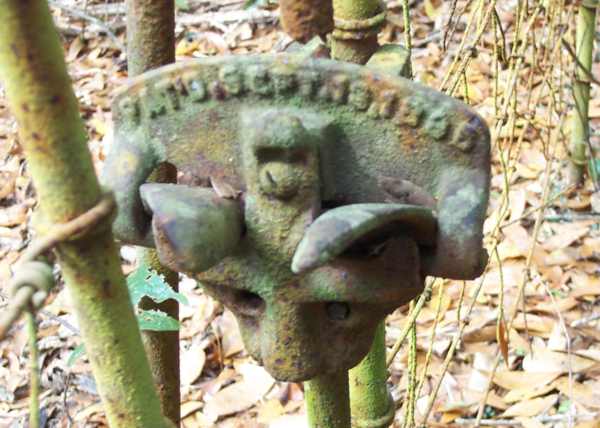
x=337 y=230
x=356 y=25
x=190 y=217
x=304 y=19
x=299 y=137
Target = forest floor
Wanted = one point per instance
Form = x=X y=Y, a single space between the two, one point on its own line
x=533 y=317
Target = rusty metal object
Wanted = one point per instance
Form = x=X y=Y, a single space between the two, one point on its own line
x=149 y=21
x=356 y=25
x=393 y=59
x=301 y=137
x=303 y=20
x=190 y=217
x=366 y=227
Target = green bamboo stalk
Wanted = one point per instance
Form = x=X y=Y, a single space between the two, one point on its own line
x=327 y=401
x=407 y=27
x=34 y=370
x=371 y=403
x=53 y=138
x=580 y=129
x=151 y=44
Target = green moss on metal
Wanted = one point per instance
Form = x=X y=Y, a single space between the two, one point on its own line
x=296 y=137
x=371 y=403
x=53 y=137
x=327 y=401
x=150 y=34
x=356 y=23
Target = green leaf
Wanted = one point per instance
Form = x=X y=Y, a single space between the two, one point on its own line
x=156 y=321
x=147 y=283
x=77 y=353
x=564 y=406
x=249 y=4
x=594 y=170
x=182 y=4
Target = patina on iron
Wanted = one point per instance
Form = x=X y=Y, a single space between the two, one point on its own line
x=321 y=244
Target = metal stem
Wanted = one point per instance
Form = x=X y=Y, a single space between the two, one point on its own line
x=327 y=401
x=53 y=137
x=151 y=44
x=305 y=19
x=371 y=403
x=150 y=34
x=356 y=24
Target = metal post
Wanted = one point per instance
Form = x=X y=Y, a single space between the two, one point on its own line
x=151 y=44
x=304 y=19
x=371 y=402
x=327 y=401
x=356 y=24
x=53 y=137
x=150 y=34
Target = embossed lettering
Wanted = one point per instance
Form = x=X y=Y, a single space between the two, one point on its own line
x=170 y=92
x=307 y=83
x=467 y=134
x=360 y=95
x=231 y=79
x=437 y=124
x=153 y=103
x=196 y=89
x=335 y=89
x=388 y=103
x=410 y=112
x=130 y=110
x=217 y=91
x=259 y=80
x=283 y=82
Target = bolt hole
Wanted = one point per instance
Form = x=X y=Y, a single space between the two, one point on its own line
x=250 y=303
x=337 y=311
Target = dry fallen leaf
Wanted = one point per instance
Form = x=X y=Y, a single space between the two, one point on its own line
x=13 y=215
x=190 y=407
x=533 y=407
x=543 y=360
x=223 y=189
x=241 y=395
x=502 y=339
x=192 y=364
x=231 y=340
x=579 y=392
x=518 y=380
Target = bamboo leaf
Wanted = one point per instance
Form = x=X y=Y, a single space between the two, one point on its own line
x=156 y=321
x=182 y=4
x=77 y=353
x=144 y=282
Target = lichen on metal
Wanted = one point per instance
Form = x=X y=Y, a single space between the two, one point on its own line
x=301 y=140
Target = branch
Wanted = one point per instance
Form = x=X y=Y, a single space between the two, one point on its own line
x=77 y=13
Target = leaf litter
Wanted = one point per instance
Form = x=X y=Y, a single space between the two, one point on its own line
x=550 y=349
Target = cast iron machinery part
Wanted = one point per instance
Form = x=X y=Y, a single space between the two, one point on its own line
x=298 y=137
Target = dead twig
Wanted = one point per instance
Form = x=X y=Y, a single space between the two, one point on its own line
x=77 y=13
x=27 y=293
